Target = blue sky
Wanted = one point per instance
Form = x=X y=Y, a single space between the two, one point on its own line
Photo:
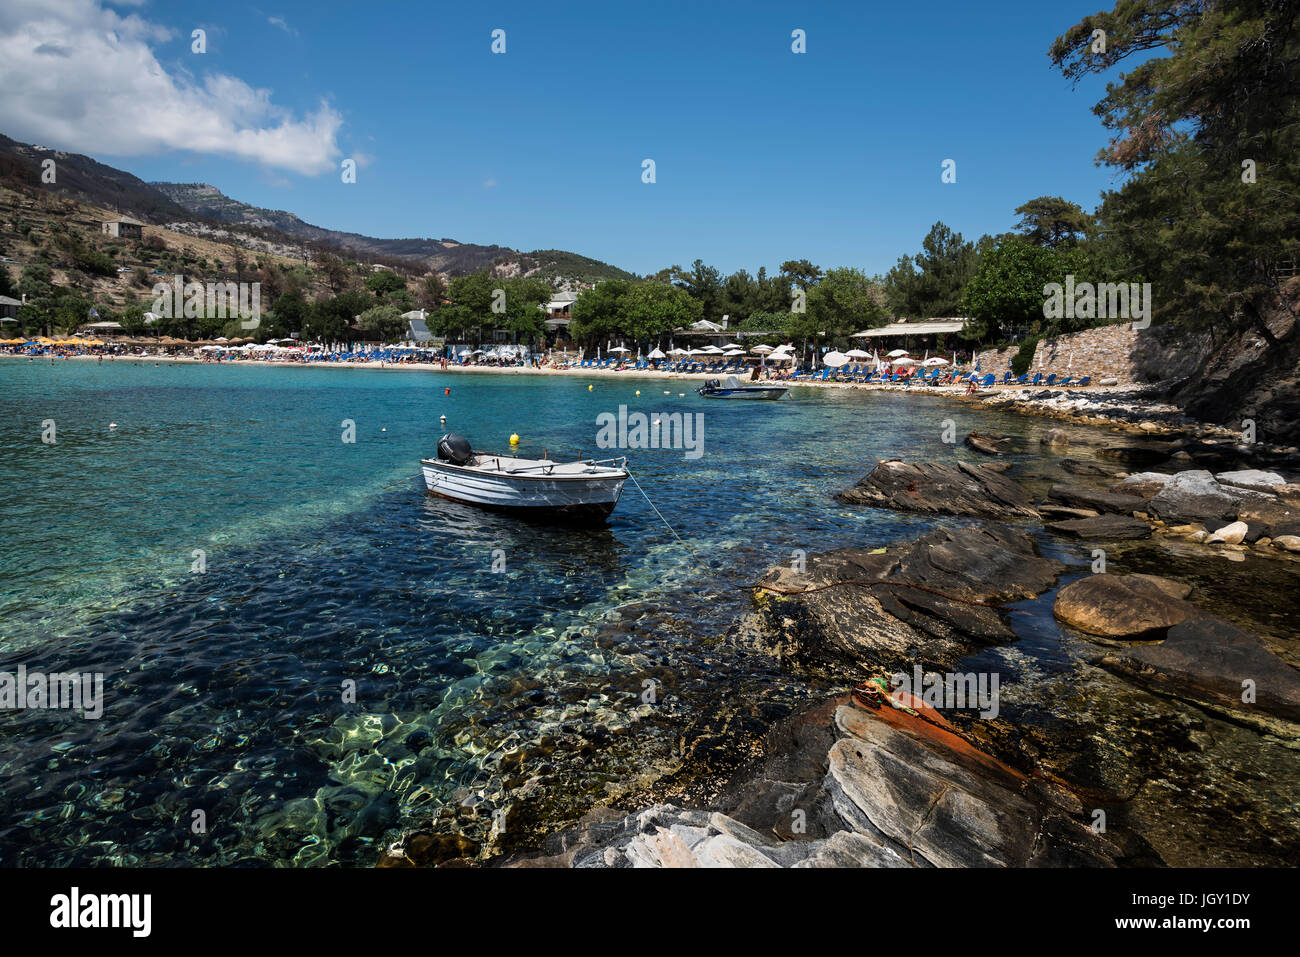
x=761 y=155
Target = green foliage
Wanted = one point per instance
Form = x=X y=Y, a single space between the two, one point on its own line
x=384 y=283
x=1024 y=356
x=1007 y=288
x=384 y=321
x=843 y=301
x=931 y=283
x=1054 y=222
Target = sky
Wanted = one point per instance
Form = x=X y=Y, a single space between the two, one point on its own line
x=760 y=154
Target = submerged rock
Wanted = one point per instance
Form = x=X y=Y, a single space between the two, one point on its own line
x=1113 y=528
x=939 y=489
x=1124 y=606
x=989 y=443
x=1211 y=661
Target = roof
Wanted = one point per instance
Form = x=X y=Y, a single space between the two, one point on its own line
x=8 y=301
x=127 y=221
x=921 y=328
x=419 y=331
x=557 y=321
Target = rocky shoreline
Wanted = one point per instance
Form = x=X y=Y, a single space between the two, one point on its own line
x=1161 y=702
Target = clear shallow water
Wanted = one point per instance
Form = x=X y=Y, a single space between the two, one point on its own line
x=327 y=564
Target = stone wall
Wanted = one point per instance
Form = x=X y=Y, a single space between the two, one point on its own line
x=1104 y=353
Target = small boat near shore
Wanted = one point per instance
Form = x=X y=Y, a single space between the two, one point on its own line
x=733 y=388
x=542 y=489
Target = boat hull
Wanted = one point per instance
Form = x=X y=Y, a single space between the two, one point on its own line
x=560 y=499
x=753 y=393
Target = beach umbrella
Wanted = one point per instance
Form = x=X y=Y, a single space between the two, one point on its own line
x=906 y=362
x=896 y=353
x=835 y=359
x=656 y=353
x=620 y=349
x=762 y=350
x=858 y=354
x=936 y=361
x=732 y=345
x=712 y=350
x=734 y=352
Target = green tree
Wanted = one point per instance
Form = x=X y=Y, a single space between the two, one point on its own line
x=384 y=321
x=1007 y=288
x=384 y=283
x=1054 y=222
x=652 y=309
x=843 y=301
x=598 y=312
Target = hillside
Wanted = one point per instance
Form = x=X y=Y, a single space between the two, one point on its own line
x=444 y=255
x=202 y=210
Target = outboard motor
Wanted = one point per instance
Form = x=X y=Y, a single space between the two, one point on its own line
x=711 y=383
x=455 y=449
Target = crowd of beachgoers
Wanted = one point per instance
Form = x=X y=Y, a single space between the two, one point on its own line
x=898 y=371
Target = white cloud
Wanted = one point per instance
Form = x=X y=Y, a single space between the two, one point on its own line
x=77 y=76
x=283 y=24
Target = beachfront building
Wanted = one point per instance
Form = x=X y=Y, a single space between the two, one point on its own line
x=123 y=228
x=9 y=307
x=915 y=335
x=417 y=330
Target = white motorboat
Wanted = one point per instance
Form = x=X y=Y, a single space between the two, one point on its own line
x=732 y=388
x=583 y=491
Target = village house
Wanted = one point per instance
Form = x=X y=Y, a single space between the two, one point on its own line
x=123 y=228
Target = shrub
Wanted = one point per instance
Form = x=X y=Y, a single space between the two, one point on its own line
x=1024 y=356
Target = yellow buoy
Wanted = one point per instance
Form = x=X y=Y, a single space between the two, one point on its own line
x=638 y=391
x=588 y=388
x=514 y=439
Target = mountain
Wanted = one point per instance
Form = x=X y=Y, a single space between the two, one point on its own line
x=444 y=255
x=86 y=180
x=202 y=209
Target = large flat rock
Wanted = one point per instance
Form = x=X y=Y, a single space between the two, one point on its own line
x=1102 y=528
x=930 y=601
x=940 y=489
x=1124 y=606
x=1209 y=660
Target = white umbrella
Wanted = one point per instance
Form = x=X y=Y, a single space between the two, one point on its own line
x=834 y=359
x=858 y=354
x=936 y=361
x=656 y=354
x=734 y=352
x=906 y=361
x=620 y=349
x=711 y=350
x=896 y=353
x=678 y=351
x=762 y=350
x=732 y=345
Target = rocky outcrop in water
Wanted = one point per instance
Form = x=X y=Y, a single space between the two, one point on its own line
x=1124 y=606
x=927 y=601
x=1209 y=661
x=853 y=786
x=939 y=489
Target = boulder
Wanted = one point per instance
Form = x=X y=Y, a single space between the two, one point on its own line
x=1124 y=606
x=1195 y=496
x=939 y=489
x=1290 y=543
x=1102 y=528
x=1233 y=534
x=1096 y=499
x=1208 y=660
x=1059 y=513
x=1142 y=484
x=1253 y=479
x=1056 y=438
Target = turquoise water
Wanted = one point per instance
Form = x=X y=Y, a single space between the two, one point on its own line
x=326 y=564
